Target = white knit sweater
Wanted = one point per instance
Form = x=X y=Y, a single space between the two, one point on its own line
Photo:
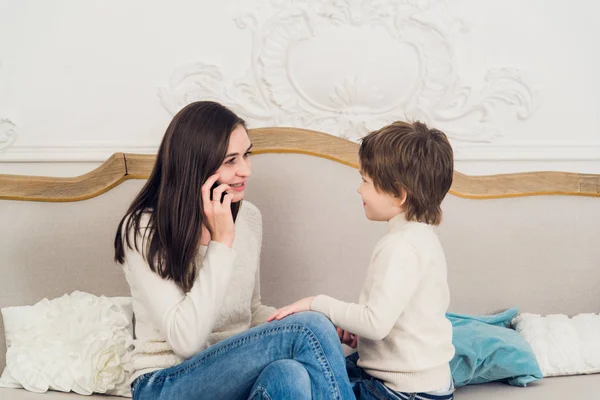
x=225 y=299
x=404 y=337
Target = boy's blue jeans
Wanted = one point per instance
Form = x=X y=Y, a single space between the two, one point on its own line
x=368 y=388
x=298 y=357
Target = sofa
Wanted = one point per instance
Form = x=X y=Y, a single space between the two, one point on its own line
x=527 y=240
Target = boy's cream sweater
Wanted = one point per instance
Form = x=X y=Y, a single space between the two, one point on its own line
x=404 y=337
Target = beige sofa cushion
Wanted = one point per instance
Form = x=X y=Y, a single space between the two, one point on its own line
x=537 y=253
x=21 y=394
x=571 y=387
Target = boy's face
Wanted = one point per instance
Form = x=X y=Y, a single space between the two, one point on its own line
x=379 y=206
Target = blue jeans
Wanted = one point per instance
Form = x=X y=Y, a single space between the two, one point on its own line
x=298 y=357
x=368 y=388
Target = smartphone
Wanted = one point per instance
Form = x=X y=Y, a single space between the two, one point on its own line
x=214 y=186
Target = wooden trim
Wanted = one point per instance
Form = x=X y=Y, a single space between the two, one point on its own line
x=304 y=141
x=121 y=167
x=525 y=184
x=139 y=166
x=53 y=189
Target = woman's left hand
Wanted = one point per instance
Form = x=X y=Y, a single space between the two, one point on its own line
x=299 y=306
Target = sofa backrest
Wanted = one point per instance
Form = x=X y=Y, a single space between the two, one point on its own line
x=508 y=242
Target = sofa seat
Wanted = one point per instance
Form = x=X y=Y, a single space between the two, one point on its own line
x=564 y=387
x=558 y=388
x=21 y=394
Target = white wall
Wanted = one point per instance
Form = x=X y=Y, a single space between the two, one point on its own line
x=514 y=83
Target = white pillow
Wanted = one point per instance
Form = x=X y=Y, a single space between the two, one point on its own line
x=562 y=345
x=78 y=342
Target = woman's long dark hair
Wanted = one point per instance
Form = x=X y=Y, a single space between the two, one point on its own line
x=193 y=148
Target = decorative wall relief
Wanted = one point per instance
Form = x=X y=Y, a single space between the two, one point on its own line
x=350 y=66
x=8 y=134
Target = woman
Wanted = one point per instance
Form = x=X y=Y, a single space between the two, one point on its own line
x=190 y=251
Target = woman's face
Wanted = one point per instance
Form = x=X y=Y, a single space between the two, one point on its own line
x=236 y=167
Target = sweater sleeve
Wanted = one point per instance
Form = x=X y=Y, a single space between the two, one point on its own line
x=186 y=320
x=260 y=312
x=395 y=277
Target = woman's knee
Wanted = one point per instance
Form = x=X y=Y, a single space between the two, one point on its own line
x=317 y=326
x=282 y=379
x=314 y=331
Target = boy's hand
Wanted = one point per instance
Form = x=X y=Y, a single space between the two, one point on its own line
x=299 y=306
x=347 y=338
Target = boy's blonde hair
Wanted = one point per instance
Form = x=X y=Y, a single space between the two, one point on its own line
x=411 y=158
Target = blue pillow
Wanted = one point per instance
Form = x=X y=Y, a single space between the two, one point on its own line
x=487 y=349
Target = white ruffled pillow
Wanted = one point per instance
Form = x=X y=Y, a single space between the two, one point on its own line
x=78 y=342
x=562 y=345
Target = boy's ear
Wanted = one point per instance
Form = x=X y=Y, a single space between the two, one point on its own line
x=400 y=200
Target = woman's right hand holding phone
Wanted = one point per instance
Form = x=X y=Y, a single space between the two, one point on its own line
x=218 y=217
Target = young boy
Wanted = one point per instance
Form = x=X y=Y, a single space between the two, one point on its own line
x=404 y=339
